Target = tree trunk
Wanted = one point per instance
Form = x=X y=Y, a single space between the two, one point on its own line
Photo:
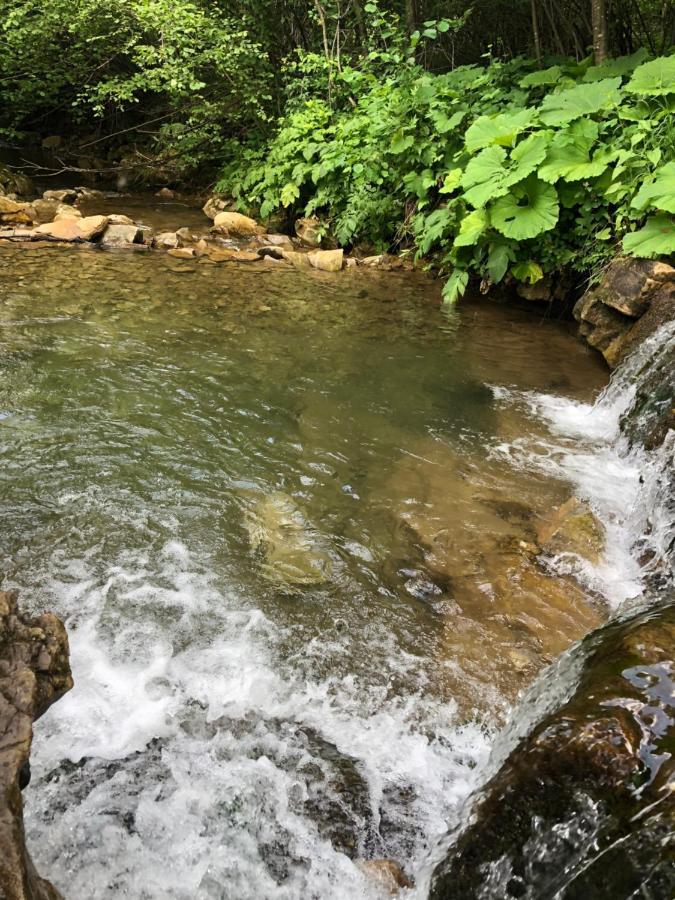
x=535 y=33
x=411 y=15
x=599 y=18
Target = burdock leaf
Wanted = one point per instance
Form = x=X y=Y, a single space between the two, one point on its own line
x=581 y=100
x=530 y=209
x=655 y=238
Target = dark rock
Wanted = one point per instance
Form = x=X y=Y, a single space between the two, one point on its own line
x=584 y=806
x=34 y=672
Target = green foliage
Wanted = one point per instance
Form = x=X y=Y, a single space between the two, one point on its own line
x=491 y=170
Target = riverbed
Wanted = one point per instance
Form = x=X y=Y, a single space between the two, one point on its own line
x=288 y=518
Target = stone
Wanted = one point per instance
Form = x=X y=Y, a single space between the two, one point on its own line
x=65 y=211
x=382 y=261
x=279 y=240
x=289 y=551
x=182 y=252
x=10 y=206
x=309 y=231
x=386 y=874
x=186 y=234
x=34 y=673
x=117 y=219
x=166 y=193
x=87 y=193
x=540 y=291
x=299 y=260
x=573 y=528
x=167 y=240
x=86 y=229
x=234 y=224
x=326 y=260
x=213 y=206
x=351 y=262
x=589 y=788
x=13 y=212
x=121 y=235
x=43 y=211
x=67 y=195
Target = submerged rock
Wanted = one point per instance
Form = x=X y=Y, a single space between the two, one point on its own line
x=290 y=551
x=572 y=528
x=34 y=672
x=584 y=806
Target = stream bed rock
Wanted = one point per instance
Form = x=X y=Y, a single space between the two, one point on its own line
x=34 y=673
x=584 y=806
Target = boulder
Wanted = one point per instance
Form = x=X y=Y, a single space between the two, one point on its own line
x=299 y=260
x=309 y=231
x=67 y=195
x=167 y=240
x=121 y=235
x=289 y=551
x=86 y=229
x=572 y=528
x=326 y=260
x=166 y=193
x=584 y=804
x=234 y=224
x=65 y=211
x=117 y=219
x=13 y=212
x=213 y=206
x=633 y=298
x=43 y=211
x=34 y=672
x=12 y=182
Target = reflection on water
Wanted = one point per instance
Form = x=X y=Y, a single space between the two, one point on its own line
x=300 y=585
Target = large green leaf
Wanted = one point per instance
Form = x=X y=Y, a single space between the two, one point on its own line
x=569 y=155
x=655 y=238
x=582 y=100
x=620 y=65
x=660 y=192
x=529 y=271
x=490 y=174
x=472 y=227
x=499 y=257
x=654 y=78
x=502 y=129
x=455 y=286
x=529 y=209
x=542 y=76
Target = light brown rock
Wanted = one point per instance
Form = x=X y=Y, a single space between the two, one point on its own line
x=117 y=219
x=326 y=260
x=279 y=240
x=386 y=873
x=166 y=193
x=68 y=195
x=167 y=240
x=85 y=229
x=64 y=211
x=573 y=528
x=182 y=252
x=299 y=260
x=213 y=206
x=234 y=224
x=121 y=235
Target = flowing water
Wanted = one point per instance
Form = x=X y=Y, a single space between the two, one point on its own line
x=288 y=520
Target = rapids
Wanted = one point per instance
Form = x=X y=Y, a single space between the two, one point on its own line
x=233 y=736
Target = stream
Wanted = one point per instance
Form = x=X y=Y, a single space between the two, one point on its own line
x=287 y=518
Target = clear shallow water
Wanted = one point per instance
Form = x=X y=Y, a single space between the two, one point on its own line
x=233 y=735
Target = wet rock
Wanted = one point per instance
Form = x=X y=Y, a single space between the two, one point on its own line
x=386 y=874
x=297 y=259
x=540 y=291
x=290 y=551
x=182 y=252
x=121 y=236
x=309 y=231
x=166 y=193
x=573 y=528
x=43 y=211
x=34 y=672
x=86 y=229
x=232 y=224
x=630 y=289
x=12 y=212
x=279 y=240
x=584 y=805
x=384 y=261
x=68 y=195
x=167 y=240
x=213 y=206
x=326 y=260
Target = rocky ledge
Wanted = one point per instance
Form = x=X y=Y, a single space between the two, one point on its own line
x=585 y=804
x=34 y=672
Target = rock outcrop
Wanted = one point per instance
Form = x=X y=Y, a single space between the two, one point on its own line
x=634 y=297
x=584 y=806
x=34 y=672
